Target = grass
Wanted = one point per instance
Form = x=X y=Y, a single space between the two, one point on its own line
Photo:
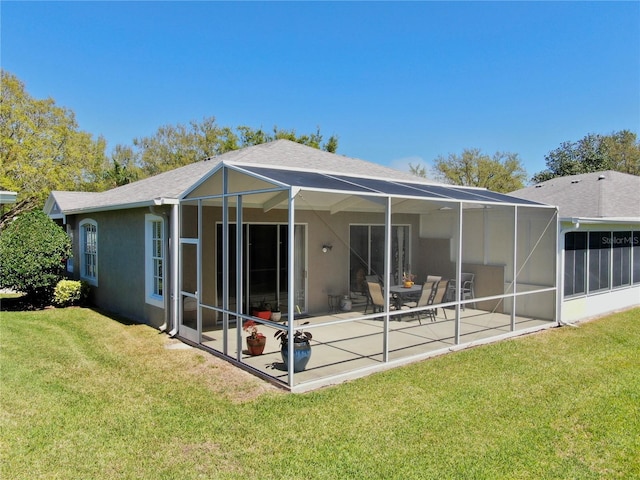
x=86 y=396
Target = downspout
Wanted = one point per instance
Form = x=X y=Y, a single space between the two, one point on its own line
x=175 y=266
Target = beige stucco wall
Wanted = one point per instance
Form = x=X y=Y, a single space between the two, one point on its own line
x=327 y=273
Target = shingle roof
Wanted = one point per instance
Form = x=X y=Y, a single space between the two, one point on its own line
x=173 y=184
x=607 y=194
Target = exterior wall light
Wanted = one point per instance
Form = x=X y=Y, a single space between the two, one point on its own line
x=326 y=248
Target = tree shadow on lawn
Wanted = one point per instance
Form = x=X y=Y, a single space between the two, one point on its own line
x=21 y=303
x=25 y=304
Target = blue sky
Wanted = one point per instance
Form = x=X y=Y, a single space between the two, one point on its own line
x=397 y=82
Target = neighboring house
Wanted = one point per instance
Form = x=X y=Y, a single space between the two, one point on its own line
x=7 y=198
x=599 y=240
x=167 y=251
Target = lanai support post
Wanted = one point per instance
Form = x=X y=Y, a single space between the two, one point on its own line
x=458 y=275
x=291 y=284
x=387 y=278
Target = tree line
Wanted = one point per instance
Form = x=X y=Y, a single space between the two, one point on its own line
x=42 y=148
x=504 y=172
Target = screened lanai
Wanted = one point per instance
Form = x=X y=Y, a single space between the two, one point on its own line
x=308 y=242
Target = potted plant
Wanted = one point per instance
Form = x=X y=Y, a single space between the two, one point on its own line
x=276 y=314
x=301 y=348
x=262 y=311
x=407 y=279
x=256 y=340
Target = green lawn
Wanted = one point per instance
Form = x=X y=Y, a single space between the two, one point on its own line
x=84 y=396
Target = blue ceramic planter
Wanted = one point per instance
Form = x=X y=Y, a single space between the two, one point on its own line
x=301 y=355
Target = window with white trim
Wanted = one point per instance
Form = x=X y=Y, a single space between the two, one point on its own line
x=89 y=251
x=154 y=260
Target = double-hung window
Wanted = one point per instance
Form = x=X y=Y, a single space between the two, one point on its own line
x=154 y=260
x=89 y=251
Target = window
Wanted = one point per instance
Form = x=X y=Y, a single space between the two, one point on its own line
x=600 y=261
x=575 y=263
x=599 y=258
x=621 y=267
x=70 y=259
x=154 y=260
x=89 y=251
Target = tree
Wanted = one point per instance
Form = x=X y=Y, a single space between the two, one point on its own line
x=418 y=170
x=618 y=151
x=123 y=167
x=623 y=148
x=173 y=146
x=42 y=149
x=32 y=253
x=501 y=173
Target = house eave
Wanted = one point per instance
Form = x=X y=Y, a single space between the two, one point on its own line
x=600 y=220
x=122 y=206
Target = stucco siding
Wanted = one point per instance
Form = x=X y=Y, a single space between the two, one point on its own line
x=582 y=308
x=121 y=271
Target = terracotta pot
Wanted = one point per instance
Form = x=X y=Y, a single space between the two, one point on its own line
x=256 y=345
x=264 y=314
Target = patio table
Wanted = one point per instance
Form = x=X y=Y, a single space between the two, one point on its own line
x=402 y=294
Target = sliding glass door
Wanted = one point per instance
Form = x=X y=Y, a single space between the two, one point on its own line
x=367 y=245
x=265 y=256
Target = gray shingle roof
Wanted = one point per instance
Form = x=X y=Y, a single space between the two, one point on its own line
x=172 y=184
x=607 y=194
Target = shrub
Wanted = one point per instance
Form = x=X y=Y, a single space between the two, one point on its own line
x=70 y=292
x=32 y=254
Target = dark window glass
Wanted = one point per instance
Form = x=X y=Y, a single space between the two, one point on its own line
x=575 y=260
x=621 y=259
x=599 y=260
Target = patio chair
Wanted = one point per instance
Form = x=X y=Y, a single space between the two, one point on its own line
x=377 y=297
x=433 y=278
x=372 y=279
x=439 y=293
x=426 y=297
x=466 y=287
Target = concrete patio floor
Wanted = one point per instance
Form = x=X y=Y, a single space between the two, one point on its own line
x=354 y=348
